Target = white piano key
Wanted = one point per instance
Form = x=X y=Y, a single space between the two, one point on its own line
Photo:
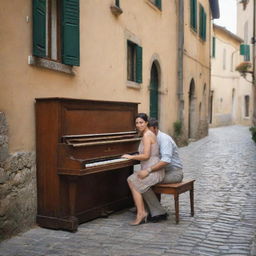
x=106 y=162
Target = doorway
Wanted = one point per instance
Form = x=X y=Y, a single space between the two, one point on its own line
x=154 y=99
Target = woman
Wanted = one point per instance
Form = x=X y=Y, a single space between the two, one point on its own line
x=141 y=181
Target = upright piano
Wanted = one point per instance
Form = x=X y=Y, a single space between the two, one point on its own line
x=80 y=174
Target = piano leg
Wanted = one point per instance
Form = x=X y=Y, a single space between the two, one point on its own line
x=72 y=190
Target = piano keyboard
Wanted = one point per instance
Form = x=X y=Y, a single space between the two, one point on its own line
x=111 y=161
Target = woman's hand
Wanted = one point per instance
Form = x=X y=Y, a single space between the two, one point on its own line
x=142 y=174
x=127 y=156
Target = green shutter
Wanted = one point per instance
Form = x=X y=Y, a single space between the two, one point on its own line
x=213 y=47
x=138 y=64
x=201 y=21
x=70 y=33
x=39 y=28
x=247 y=53
x=242 y=49
x=193 y=14
x=159 y=4
x=204 y=25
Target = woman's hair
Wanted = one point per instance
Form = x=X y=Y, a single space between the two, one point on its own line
x=143 y=116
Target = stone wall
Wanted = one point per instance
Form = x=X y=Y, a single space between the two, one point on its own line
x=202 y=130
x=17 y=187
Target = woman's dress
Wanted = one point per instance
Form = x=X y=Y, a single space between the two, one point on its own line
x=142 y=185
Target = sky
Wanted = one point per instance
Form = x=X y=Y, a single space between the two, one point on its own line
x=227 y=15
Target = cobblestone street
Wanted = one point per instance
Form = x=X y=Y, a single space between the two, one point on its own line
x=224 y=167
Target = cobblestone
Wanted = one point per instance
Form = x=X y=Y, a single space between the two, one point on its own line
x=224 y=166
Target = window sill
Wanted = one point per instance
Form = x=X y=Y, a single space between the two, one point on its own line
x=49 y=64
x=133 y=85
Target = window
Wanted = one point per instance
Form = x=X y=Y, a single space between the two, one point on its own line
x=224 y=59
x=246 y=105
x=134 y=62
x=213 y=47
x=117 y=3
x=193 y=14
x=245 y=50
x=56 y=30
x=157 y=3
x=202 y=23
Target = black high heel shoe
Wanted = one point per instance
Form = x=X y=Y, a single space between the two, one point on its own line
x=140 y=221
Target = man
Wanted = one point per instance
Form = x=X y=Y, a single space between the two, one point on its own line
x=170 y=161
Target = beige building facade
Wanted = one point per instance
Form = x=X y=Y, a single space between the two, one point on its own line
x=130 y=51
x=231 y=94
x=246 y=29
x=196 y=83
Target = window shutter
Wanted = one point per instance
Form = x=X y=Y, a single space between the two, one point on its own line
x=117 y=3
x=70 y=33
x=138 y=64
x=242 y=49
x=247 y=52
x=39 y=28
x=213 y=46
x=193 y=14
x=204 y=25
x=159 y=4
x=201 y=22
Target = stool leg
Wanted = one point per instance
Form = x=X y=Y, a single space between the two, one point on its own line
x=192 y=201
x=176 y=199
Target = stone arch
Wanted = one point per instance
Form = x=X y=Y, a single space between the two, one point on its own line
x=155 y=72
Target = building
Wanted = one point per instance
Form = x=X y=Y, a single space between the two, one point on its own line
x=155 y=52
x=231 y=94
x=246 y=29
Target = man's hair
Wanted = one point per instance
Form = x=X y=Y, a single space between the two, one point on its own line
x=152 y=122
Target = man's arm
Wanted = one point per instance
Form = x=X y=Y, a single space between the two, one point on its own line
x=144 y=173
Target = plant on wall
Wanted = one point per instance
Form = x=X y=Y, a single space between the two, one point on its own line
x=178 y=135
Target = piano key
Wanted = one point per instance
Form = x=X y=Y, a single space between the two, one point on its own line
x=117 y=160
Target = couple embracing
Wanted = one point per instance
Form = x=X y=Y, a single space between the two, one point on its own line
x=160 y=162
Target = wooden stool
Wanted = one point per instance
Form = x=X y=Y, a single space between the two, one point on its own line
x=176 y=189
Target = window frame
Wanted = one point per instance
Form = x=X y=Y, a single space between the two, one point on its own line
x=67 y=33
x=134 y=62
x=193 y=15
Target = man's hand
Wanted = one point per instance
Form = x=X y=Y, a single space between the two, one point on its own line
x=142 y=174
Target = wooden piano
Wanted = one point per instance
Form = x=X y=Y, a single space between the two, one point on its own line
x=80 y=175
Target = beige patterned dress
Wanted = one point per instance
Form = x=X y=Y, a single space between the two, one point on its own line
x=142 y=185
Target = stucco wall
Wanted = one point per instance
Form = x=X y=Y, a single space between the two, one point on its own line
x=102 y=73
x=197 y=68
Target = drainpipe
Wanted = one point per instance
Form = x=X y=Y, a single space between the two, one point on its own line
x=180 y=61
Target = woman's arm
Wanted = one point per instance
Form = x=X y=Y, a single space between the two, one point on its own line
x=147 y=141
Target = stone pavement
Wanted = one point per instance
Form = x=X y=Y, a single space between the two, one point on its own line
x=224 y=166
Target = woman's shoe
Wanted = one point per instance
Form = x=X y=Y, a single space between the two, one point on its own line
x=139 y=221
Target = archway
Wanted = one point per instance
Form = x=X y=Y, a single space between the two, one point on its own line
x=154 y=84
